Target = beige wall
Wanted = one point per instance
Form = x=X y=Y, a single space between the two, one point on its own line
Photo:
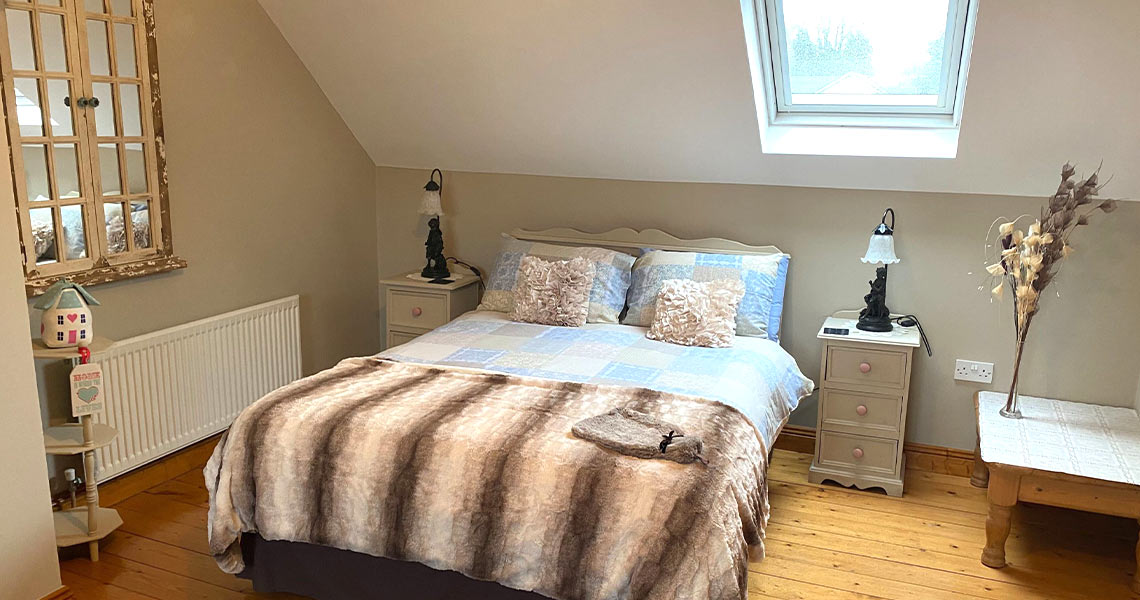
x=28 y=566
x=1083 y=346
x=271 y=195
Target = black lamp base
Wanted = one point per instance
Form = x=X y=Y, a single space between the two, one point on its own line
x=432 y=272
x=875 y=324
x=876 y=317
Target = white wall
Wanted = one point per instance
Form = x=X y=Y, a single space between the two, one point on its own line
x=28 y=563
x=660 y=90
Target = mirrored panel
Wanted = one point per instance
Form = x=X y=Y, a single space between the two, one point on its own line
x=97 y=47
x=105 y=112
x=125 y=50
x=121 y=8
x=116 y=227
x=140 y=224
x=20 y=39
x=28 y=108
x=132 y=117
x=36 y=171
x=58 y=90
x=136 y=169
x=43 y=234
x=109 y=170
x=74 y=232
x=66 y=170
x=52 y=42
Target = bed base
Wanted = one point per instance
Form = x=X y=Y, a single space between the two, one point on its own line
x=326 y=573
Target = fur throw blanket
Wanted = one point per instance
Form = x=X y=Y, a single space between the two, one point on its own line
x=478 y=473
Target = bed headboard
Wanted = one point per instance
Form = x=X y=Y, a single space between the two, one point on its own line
x=630 y=241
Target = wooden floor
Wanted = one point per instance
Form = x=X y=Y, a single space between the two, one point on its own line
x=823 y=542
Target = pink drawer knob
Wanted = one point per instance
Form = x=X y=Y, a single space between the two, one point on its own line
x=857 y=453
x=417 y=311
x=861 y=410
x=864 y=367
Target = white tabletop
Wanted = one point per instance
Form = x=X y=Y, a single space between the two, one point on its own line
x=899 y=336
x=1100 y=442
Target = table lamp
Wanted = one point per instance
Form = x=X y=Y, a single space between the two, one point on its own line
x=436 y=267
x=880 y=251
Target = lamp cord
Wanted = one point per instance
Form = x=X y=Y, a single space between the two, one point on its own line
x=912 y=321
x=473 y=269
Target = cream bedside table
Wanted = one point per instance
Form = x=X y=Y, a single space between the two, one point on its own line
x=415 y=306
x=862 y=405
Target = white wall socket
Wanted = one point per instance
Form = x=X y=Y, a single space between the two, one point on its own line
x=972 y=370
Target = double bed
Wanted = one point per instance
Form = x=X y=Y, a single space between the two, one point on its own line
x=446 y=467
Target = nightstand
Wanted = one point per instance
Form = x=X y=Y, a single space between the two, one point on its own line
x=865 y=385
x=415 y=306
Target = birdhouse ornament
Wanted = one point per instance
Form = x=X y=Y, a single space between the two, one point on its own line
x=66 y=320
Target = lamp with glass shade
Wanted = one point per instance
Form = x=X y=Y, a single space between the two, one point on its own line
x=431 y=206
x=880 y=251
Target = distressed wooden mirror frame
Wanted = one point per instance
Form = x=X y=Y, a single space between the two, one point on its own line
x=100 y=265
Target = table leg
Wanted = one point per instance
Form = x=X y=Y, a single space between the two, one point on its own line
x=1136 y=576
x=1003 y=490
x=981 y=474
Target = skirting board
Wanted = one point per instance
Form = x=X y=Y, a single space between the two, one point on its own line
x=921 y=457
x=62 y=593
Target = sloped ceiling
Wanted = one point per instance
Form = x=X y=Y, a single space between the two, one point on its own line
x=660 y=90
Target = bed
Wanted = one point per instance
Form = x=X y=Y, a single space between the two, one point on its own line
x=445 y=467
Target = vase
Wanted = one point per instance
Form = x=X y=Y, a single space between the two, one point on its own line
x=1012 y=408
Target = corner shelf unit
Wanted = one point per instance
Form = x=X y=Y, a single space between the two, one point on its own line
x=91 y=523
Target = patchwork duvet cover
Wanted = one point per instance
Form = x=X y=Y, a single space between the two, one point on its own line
x=469 y=465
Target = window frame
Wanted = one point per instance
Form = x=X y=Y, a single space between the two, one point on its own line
x=961 y=15
x=99 y=266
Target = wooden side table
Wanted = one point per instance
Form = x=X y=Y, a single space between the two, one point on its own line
x=415 y=306
x=864 y=388
x=91 y=523
x=1055 y=471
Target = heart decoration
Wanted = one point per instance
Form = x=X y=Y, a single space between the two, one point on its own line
x=88 y=394
x=72 y=317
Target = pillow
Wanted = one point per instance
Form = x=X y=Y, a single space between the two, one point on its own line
x=611 y=276
x=553 y=293
x=763 y=277
x=696 y=314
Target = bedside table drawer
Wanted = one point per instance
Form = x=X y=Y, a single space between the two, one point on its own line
x=858 y=412
x=395 y=338
x=862 y=454
x=846 y=364
x=417 y=309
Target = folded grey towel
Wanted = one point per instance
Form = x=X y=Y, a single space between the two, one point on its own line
x=640 y=435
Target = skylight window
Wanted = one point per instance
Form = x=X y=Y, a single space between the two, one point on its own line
x=860 y=63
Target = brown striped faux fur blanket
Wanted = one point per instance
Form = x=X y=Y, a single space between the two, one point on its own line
x=478 y=473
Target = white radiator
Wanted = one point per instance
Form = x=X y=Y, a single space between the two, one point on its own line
x=168 y=389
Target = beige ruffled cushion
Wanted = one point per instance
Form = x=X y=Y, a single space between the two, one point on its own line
x=553 y=292
x=697 y=314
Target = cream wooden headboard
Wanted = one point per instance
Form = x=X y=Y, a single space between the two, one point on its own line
x=630 y=240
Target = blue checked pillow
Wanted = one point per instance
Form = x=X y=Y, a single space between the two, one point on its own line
x=764 y=277
x=611 y=276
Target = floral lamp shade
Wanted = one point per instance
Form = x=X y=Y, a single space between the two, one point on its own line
x=881 y=249
x=430 y=202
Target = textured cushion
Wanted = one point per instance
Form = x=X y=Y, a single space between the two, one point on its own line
x=553 y=292
x=763 y=277
x=611 y=276
x=697 y=314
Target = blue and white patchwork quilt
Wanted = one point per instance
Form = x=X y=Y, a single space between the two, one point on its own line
x=755 y=376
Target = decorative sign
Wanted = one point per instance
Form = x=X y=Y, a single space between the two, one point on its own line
x=86 y=390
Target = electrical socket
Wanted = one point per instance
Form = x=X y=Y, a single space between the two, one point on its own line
x=972 y=370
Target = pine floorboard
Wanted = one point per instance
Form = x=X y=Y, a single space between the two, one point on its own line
x=823 y=542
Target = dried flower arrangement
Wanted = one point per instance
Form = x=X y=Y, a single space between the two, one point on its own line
x=1029 y=261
